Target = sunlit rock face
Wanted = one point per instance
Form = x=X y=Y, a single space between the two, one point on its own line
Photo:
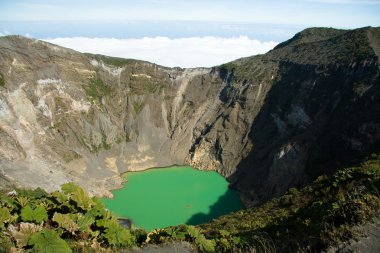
x=266 y=122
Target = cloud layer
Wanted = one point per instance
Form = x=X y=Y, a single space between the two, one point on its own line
x=182 y=52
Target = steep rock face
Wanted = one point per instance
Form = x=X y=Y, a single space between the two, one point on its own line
x=65 y=116
x=266 y=122
x=320 y=114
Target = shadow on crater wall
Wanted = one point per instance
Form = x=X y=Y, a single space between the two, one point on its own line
x=228 y=202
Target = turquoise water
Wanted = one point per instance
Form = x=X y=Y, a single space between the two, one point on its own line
x=163 y=197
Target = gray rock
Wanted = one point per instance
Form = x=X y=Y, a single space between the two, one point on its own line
x=267 y=122
x=174 y=247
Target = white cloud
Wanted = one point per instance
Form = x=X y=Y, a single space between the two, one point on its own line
x=5 y=33
x=182 y=52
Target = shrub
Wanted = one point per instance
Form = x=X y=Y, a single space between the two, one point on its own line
x=96 y=89
x=59 y=222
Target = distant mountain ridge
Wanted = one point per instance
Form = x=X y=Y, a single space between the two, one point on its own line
x=266 y=122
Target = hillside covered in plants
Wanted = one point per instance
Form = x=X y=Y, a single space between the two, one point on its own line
x=319 y=216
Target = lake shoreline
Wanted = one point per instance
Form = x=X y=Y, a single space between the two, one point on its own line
x=167 y=196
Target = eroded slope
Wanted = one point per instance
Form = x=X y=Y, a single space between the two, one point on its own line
x=266 y=122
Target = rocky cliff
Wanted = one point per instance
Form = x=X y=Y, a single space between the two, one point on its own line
x=267 y=122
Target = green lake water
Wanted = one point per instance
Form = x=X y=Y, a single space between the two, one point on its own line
x=163 y=197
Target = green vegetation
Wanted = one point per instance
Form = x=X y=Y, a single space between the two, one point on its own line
x=321 y=215
x=353 y=46
x=311 y=35
x=138 y=106
x=115 y=61
x=321 y=46
x=102 y=146
x=190 y=234
x=189 y=108
x=143 y=76
x=35 y=221
x=251 y=69
x=96 y=89
x=226 y=69
x=55 y=125
x=141 y=85
x=2 y=81
x=127 y=138
x=155 y=87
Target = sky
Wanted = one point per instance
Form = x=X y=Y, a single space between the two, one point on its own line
x=178 y=32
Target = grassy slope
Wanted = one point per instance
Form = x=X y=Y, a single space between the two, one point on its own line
x=320 y=215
